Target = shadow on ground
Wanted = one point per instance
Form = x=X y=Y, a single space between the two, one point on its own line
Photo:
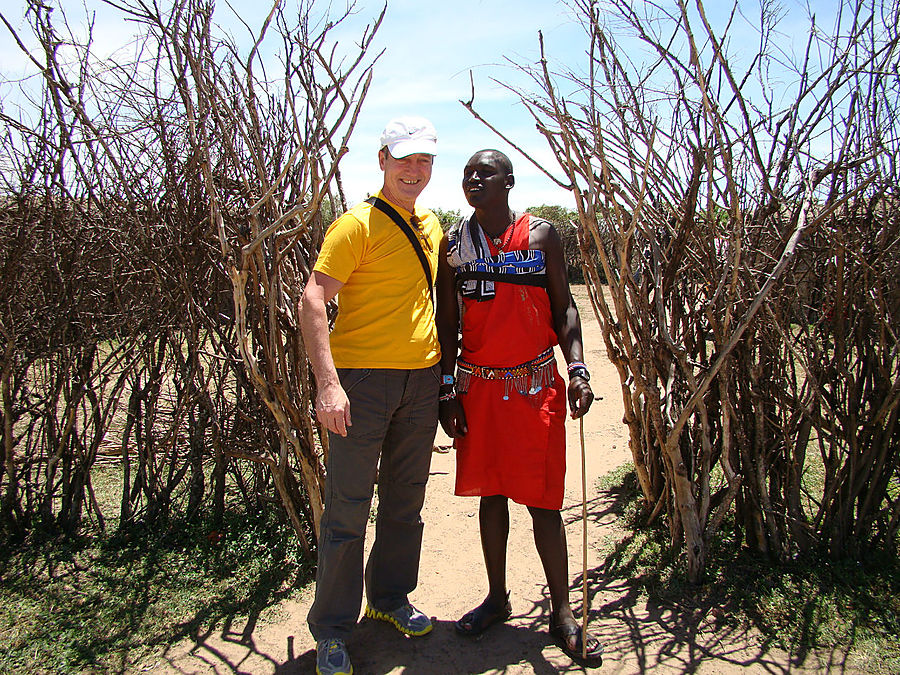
x=639 y=635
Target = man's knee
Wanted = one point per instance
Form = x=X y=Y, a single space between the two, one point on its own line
x=545 y=516
x=346 y=520
x=402 y=504
x=493 y=503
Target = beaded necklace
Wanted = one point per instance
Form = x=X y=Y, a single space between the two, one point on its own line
x=502 y=241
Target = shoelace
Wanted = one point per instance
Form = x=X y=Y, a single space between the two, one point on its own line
x=333 y=648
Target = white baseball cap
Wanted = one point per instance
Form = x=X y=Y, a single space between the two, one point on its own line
x=406 y=136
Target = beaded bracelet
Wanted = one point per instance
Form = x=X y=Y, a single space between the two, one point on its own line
x=575 y=364
x=449 y=396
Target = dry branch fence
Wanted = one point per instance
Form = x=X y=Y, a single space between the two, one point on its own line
x=744 y=208
x=159 y=213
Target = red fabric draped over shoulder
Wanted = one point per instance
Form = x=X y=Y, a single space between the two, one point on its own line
x=515 y=445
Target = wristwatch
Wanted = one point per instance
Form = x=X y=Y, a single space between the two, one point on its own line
x=581 y=372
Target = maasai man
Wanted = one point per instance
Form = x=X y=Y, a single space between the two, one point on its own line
x=502 y=286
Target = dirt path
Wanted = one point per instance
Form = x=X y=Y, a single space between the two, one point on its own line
x=638 y=636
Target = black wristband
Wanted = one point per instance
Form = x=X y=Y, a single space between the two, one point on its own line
x=581 y=372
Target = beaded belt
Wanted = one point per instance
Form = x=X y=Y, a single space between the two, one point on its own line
x=526 y=378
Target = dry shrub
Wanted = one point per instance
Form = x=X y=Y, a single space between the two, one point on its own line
x=160 y=215
x=744 y=209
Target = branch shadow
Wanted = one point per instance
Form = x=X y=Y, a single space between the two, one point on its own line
x=376 y=648
x=696 y=632
x=640 y=631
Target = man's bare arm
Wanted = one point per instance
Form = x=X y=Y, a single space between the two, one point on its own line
x=452 y=416
x=332 y=405
x=566 y=321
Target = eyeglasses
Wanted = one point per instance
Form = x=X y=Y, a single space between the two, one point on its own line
x=420 y=231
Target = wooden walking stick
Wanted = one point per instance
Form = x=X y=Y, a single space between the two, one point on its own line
x=585 y=603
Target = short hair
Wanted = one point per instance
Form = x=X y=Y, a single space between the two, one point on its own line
x=502 y=159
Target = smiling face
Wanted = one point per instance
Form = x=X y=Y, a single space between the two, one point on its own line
x=405 y=177
x=487 y=179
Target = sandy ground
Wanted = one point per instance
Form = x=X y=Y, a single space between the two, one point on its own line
x=638 y=635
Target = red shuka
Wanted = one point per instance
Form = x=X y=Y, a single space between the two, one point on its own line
x=513 y=447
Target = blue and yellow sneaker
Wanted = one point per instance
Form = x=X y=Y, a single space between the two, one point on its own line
x=332 y=658
x=407 y=619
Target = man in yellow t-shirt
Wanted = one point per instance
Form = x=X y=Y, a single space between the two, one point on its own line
x=377 y=375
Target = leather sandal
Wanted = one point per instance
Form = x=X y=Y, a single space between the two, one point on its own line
x=481 y=618
x=565 y=631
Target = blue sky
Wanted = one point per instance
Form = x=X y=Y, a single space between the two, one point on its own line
x=427 y=72
x=430 y=48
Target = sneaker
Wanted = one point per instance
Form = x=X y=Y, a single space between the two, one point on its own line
x=332 y=658
x=407 y=619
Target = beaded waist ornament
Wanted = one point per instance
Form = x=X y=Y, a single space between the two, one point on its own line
x=526 y=378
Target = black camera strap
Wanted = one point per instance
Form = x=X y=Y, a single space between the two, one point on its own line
x=407 y=229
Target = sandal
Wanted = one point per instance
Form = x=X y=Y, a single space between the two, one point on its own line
x=564 y=633
x=481 y=618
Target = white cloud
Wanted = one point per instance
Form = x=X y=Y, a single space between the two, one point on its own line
x=430 y=49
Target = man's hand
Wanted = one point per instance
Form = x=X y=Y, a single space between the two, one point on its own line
x=333 y=408
x=453 y=418
x=332 y=405
x=580 y=396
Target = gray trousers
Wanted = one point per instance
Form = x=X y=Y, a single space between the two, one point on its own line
x=394 y=419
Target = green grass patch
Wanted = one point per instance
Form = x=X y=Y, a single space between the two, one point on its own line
x=806 y=603
x=102 y=604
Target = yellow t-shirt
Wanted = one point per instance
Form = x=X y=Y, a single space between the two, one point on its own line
x=385 y=316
